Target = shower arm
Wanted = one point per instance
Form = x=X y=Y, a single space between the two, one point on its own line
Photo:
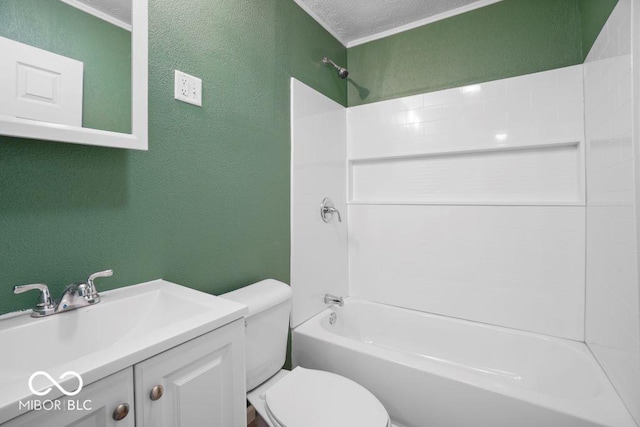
x=327 y=61
x=342 y=72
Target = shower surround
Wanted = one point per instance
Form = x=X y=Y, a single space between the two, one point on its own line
x=471 y=202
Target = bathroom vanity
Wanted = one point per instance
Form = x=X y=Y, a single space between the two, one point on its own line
x=154 y=354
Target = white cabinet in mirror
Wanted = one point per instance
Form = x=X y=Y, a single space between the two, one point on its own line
x=75 y=71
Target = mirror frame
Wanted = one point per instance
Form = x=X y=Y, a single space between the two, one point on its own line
x=138 y=139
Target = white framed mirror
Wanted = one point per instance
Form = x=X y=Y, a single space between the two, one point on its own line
x=75 y=71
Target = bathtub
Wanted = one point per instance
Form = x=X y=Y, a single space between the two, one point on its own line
x=435 y=371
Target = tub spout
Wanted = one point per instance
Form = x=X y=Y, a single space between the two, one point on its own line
x=332 y=299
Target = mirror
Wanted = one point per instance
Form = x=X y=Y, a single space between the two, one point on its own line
x=74 y=71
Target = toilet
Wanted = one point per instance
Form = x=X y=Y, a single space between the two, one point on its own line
x=301 y=397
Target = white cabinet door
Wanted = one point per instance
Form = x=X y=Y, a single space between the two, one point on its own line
x=93 y=407
x=202 y=383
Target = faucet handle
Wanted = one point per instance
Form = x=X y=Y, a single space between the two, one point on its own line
x=45 y=303
x=327 y=209
x=94 y=276
x=91 y=293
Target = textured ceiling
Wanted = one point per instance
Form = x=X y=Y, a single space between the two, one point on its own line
x=119 y=9
x=351 y=20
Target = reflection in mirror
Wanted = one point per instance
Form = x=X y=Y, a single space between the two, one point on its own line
x=67 y=62
x=90 y=64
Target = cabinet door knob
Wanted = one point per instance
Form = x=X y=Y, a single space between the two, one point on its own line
x=121 y=411
x=156 y=392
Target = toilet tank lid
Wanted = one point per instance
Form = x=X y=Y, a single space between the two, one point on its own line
x=261 y=295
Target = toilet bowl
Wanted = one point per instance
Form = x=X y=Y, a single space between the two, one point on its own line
x=301 y=397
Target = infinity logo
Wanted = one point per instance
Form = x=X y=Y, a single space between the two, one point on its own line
x=55 y=383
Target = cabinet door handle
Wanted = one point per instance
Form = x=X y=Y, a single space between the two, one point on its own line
x=121 y=412
x=156 y=392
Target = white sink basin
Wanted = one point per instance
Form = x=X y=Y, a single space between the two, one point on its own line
x=129 y=325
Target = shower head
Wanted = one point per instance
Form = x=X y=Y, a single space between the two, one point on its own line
x=342 y=72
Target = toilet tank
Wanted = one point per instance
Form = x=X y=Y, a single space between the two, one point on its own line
x=267 y=327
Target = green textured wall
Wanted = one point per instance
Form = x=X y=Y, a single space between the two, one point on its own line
x=104 y=49
x=593 y=14
x=208 y=205
x=506 y=39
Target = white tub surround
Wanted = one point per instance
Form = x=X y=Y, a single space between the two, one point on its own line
x=518 y=266
x=459 y=373
x=469 y=202
x=319 y=260
x=613 y=300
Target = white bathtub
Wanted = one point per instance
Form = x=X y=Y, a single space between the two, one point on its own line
x=434 y=371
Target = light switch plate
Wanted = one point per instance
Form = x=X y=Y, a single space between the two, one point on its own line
x=188 y=88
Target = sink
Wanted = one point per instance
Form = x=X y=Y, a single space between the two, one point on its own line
x=129 y=325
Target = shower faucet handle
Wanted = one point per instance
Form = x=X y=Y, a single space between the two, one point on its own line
x=327 y=209
x=331 y=211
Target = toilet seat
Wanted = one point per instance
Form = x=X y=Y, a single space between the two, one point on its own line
x=311 y=398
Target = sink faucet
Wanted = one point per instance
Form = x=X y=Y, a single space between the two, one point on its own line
x=332 y=299
x=74 y=296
